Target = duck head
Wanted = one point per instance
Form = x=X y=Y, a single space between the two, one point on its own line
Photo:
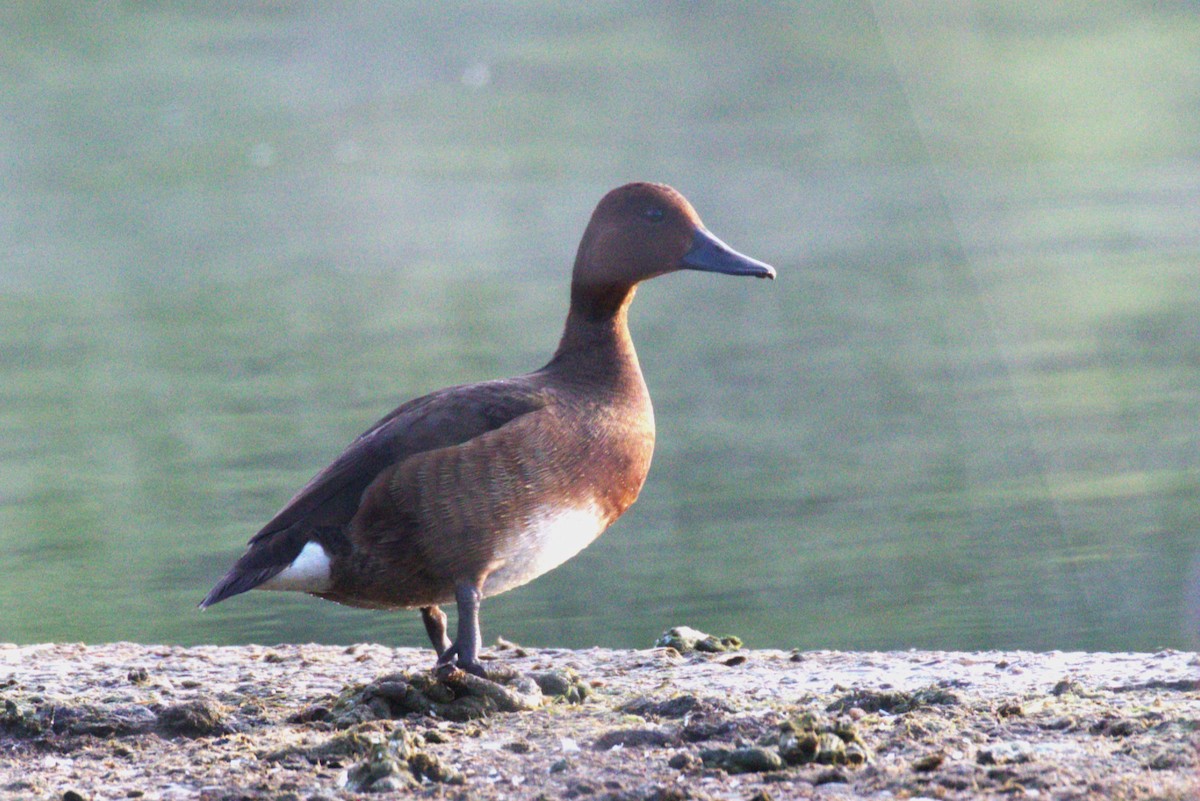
x=642 y=230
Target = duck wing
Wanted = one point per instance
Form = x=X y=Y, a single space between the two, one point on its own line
x=322 y=508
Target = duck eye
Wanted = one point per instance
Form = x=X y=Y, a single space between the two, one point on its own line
x=654 y=214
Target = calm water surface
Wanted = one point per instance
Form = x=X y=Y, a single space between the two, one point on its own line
x=963 y=417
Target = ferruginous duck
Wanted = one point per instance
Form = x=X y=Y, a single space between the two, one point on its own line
x=472 y=490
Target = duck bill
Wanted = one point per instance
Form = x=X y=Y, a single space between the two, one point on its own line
x=713 y=256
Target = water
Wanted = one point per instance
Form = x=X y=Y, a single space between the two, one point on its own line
x=963 y=417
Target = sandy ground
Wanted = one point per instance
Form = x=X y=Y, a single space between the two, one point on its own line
x=320 y=722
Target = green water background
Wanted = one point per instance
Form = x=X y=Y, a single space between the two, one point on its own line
x=967 y=415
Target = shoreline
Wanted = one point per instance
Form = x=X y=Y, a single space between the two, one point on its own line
x=124 y=720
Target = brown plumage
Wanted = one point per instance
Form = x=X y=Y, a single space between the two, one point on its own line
x=476 y=489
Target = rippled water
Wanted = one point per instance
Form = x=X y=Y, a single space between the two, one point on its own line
x=964 y=416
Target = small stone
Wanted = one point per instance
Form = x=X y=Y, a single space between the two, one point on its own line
x=137 y=675
x=1010 y=709
x=562 y=684
x=929 y=762
x=71 y=795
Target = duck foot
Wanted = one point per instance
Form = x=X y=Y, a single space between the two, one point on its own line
x=450 y=664
x=463 y=653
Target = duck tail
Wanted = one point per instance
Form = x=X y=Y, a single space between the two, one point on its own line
x=266 y=557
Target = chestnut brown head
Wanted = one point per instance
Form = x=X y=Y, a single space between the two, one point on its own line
x=643 y=230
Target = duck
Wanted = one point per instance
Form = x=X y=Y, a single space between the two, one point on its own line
x=472 y=490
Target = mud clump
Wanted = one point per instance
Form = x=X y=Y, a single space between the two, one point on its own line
x=806 y=740
x=751 y=759
x=347 y=745
x=686 y=640
x=684 y=705
x=380 y=772
x=398 y=763
x=200 y=717
x=893 y=701
x=21 y=720
x=458 y=697
x=634 y=738
x=36 y=717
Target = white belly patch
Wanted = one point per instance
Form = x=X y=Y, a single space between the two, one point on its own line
x=308 y=572
x=552 y=536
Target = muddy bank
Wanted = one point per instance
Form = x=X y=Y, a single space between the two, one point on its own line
x=321 y=722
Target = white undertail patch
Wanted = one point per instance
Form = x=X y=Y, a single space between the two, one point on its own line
x=308 y=572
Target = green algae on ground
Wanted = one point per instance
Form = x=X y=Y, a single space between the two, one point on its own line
x=350 y=744
x=809 y=738
x=398 y=763
x=381 y=771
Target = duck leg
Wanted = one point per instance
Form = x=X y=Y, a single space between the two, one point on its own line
x=464 y=653
x=435 y=626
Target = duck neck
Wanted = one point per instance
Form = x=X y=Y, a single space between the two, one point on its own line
x=595 y=345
